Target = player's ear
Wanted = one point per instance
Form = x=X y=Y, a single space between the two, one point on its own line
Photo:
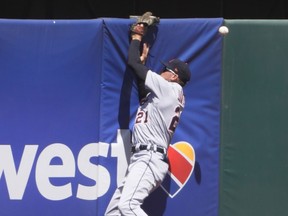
x=174 y=78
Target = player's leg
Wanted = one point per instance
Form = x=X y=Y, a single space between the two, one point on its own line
x=112 y=208
x=140 y=182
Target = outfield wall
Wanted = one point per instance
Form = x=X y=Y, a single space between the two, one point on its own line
x=254 y=129
x=68 y=104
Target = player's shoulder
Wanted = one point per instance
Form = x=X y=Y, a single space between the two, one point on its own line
x=161 y=81
x=155 y=77
x=177 y=89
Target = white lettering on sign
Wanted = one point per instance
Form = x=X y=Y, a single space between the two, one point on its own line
x=44 y=171
x=16 y=180
x=102 y=176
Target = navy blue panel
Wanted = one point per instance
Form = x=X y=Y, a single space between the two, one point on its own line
x=68 y=103
x=49 y=93
x=197 y=42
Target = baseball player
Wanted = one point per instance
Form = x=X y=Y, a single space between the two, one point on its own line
x=155 y=123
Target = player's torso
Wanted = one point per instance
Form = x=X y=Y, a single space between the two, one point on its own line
x=157 y=118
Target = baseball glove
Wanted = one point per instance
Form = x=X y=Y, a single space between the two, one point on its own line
x=147 y=19
x=143 y=23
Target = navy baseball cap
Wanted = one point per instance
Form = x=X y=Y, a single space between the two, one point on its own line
x=179 y=67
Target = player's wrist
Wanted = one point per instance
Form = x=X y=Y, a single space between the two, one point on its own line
x=136 y=37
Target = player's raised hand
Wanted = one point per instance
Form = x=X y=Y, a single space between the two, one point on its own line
x=142 y=24
x=144 y=54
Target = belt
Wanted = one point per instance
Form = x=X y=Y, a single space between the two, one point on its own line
x=148 y=147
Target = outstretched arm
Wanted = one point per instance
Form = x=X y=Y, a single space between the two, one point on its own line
x=135 y=60
x=138 y=66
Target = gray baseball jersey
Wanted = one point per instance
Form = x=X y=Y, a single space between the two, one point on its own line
x=159 y=113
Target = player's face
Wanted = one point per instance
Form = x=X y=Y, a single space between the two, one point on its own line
x=169 y=74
